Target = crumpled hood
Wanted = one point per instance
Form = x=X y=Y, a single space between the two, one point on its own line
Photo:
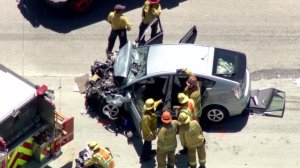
x=123 y=61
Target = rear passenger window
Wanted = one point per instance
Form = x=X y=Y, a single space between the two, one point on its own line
x=229 y=64
x=206 y=83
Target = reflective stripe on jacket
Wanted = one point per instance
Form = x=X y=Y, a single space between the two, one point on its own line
x=103 y=158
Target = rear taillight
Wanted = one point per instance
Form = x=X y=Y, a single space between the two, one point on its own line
x=237 y=91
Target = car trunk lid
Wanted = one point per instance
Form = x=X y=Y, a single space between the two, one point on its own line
x=268 y=101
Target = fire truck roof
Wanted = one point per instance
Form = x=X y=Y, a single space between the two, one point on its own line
x=14 y=92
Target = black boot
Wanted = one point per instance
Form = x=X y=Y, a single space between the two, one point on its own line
x=202 y=166
x=170 y=166
x=153 y=152
x=144 y=159
x=194 y=166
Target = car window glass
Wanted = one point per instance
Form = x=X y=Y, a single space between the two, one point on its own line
x=207 y=83
x=139 y=62
x=229 y=64
x=225 y=63
x=224 y=66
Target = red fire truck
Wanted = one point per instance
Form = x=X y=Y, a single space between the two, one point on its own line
x=31 y=131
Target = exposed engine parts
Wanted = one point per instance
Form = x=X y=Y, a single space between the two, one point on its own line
x=104 y=83
x=102 y=88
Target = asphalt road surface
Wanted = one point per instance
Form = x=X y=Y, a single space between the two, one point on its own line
x=51 y=47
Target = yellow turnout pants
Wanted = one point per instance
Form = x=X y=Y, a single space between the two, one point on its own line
x=162 y=156
x=201 y=155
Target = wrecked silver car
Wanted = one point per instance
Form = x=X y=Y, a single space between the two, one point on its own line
x=149 y=71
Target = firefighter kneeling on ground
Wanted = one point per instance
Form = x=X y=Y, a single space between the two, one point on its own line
x=101 y=156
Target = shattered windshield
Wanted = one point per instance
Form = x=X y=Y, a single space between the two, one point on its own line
x=138 y=65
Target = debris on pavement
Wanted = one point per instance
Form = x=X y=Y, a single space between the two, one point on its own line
x=297 y=82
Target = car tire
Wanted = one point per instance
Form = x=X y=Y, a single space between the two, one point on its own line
x=215 y=114
x=112 y=112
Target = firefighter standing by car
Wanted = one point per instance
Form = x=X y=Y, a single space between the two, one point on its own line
x=192 y=90
x=191 y=136
x=166 y=141
x=149 y=128
x=188 y=107
x=151 y=10
x=119 y=27
x=101 y=156
x=187 y=104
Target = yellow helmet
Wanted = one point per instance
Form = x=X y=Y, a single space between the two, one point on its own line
x=93 y=145
x=182 y=98
x=149 y=104
x=183 y=118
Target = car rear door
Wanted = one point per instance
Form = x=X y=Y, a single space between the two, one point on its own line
x=157 y=39
x=190 y=36
x=269 y=101
x=179 y=83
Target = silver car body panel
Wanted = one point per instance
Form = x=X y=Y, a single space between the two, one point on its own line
x=198 y=59
x=222 y=94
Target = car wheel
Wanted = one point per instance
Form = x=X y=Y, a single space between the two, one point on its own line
x=111 y=111
x=215 y=114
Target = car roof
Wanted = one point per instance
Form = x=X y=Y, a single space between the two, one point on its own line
x=169 y=57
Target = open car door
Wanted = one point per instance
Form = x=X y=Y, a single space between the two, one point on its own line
x=190 y=36
x=269 y=101
x=157 y=38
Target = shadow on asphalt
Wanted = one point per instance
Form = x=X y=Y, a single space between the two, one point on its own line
x=232 y=124
x=38 y=13
x=68 y=165
x=181 y=161
x=124 y=127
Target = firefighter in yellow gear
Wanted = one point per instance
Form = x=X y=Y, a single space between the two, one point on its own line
x=187 y=104
x=191 y=136
x=192 y=89
x=166 y=141
x=151 y=10
x=149 y=128
x=101 y=156
x=119 y=27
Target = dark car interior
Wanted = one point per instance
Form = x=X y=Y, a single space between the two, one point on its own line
x=154 y=87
